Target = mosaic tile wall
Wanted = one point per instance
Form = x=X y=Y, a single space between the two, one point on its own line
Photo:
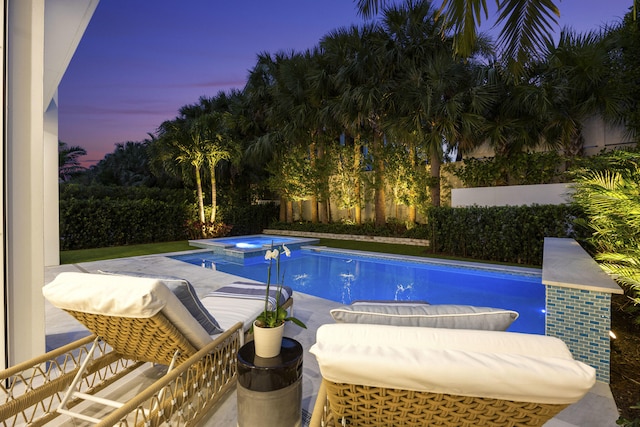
x=582 y=319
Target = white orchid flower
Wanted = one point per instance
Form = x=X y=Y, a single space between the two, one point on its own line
x=286 y=250
x=272 y=254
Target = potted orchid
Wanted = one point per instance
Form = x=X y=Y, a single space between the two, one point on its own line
x=268 y=328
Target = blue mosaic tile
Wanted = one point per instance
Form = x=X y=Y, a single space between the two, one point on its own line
x=583 y=324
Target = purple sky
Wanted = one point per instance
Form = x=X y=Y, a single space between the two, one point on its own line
x=140 y=61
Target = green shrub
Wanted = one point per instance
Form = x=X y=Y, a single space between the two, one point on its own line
x=517 y=169
x=608 y=191
x=103 y=216
x=249 y=219
x=95 y=223
x=511 y=234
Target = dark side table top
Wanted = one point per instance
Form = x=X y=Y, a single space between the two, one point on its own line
x=269 y=374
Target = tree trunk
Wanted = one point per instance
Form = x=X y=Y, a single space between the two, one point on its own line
x=357 y=159
x=283 y=209
x=412 y=206
x=328 y=207
x=200 y=195
x=322 y=204
x=379 y=197
x=314 y=199
x=434 y=188
x=214 y=195
x=289 y=211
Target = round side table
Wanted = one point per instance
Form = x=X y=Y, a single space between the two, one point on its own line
x=270 y=389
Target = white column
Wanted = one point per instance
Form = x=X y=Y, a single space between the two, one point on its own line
x=25 y=181
x=51 y=196
x=3 y=80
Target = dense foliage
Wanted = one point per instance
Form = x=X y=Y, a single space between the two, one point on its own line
x=518 y=169
x=97 y=216
x=102 y=216
x=609 y=194
x=512 y=234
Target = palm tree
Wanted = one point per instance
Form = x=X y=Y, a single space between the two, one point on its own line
x=362 y=80
x=513 y=120
x=296 y=109
x=216 y=149
x=577 y=81
x=68 y=163
x=127 y=165
x=624 y=42
x=179 y=148
x=435 y=98
x=266 y=142
x=526 y=25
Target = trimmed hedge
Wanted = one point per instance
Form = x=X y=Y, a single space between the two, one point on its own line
x=102 y=216
x=97 y=223
x=249 y=219
x=511 y=234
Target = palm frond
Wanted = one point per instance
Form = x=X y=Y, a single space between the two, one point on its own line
x=527 y=29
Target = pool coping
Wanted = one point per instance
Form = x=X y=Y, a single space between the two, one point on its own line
x=567 y=265
x=529 y=271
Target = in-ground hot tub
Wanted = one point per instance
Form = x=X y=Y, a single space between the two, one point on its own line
x=249 y=246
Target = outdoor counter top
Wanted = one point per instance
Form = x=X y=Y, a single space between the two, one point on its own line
x=566 y=264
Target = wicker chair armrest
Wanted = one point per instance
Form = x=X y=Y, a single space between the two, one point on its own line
x=31 y=390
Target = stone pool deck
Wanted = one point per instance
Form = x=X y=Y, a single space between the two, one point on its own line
x=596 y=409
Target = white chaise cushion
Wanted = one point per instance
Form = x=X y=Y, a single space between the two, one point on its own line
x=230 y=311
x=427 y=315
x=124 y=296
x=500 y=365
x=185 y=293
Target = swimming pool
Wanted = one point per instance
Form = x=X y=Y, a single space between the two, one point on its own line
x=349 y=276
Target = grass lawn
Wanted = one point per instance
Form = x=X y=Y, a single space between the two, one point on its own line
x=87 y=255
x=97 y=254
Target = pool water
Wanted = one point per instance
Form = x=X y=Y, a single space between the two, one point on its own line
x=346 y=277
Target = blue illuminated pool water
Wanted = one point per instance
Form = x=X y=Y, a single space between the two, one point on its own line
x=346 y=277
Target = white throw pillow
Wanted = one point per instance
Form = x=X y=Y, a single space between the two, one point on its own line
x=425 y=315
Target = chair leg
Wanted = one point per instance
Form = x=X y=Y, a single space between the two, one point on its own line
x=72 y=391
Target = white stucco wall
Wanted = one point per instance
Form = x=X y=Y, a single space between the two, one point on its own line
x=41 y=37
x=24 y=209
x=514 y=195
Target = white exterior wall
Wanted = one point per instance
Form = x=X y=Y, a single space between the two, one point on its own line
x=24 y=257
x=3 y=138
x=51 y=196
x=599 y=136
x=514 y=195
x=41 y=36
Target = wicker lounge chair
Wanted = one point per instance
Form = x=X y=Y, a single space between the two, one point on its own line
x=380 y=375
x=133 y=320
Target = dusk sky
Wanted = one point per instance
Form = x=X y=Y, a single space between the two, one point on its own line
x=140 y=61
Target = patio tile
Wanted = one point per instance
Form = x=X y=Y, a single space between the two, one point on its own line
x=597 y=409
